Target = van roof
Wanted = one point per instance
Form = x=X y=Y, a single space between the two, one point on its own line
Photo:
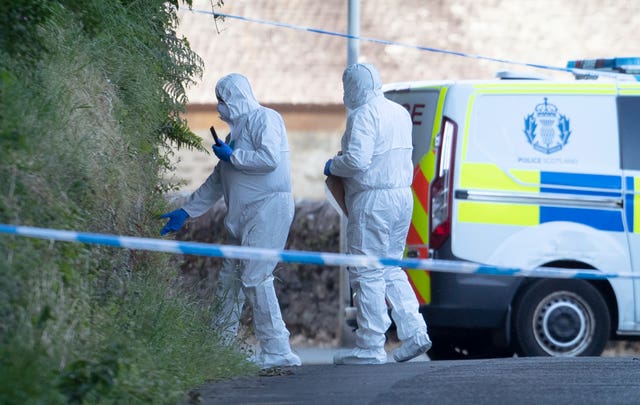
x=604 y=69
x=529 y=83
x=426 y=84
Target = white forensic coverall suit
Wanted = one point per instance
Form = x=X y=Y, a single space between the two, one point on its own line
x=256 y=186
x=377 y=171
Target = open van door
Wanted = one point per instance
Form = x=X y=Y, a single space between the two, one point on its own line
x=425 y=104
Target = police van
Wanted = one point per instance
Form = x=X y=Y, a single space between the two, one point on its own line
x=527 y=173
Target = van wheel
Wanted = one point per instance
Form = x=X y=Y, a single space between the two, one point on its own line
x=561 y=318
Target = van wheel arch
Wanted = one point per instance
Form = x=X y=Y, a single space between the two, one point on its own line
x=603 y=286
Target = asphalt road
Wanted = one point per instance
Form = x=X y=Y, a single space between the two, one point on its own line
x=522 y=381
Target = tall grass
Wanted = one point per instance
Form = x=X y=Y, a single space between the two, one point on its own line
x=86 y=104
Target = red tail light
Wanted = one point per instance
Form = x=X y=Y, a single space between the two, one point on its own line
x=442 y=185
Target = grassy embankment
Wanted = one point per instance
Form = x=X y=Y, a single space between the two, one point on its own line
x=90 y=92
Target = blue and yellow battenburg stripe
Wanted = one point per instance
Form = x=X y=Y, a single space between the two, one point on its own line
x=489 y=177
x=606 y=185
x=632 y=203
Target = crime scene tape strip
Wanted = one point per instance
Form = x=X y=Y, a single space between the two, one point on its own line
x=297 y=256
x=576 y=71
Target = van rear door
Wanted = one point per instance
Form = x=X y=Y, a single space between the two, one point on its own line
x=425 y=105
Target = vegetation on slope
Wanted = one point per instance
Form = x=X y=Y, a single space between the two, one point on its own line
x=91 y=92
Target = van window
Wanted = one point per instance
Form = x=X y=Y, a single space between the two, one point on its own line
x=629 y=126
x=422 y=106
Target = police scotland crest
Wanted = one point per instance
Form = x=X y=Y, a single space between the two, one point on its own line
x=546 y=129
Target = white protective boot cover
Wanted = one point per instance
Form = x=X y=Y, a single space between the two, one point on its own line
x=270 y=329
x=360 y=356
x=412 y=347
x=411 y=327
x=371 y=317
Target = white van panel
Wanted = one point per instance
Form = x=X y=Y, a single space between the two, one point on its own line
x=502 y=127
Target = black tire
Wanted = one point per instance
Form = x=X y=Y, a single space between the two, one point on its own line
x=561 y=318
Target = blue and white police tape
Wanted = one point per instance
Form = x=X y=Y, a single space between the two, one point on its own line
x=573 y=70
x=297 y=256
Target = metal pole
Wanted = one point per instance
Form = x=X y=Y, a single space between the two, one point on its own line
x=353 y=45
x=347 y=337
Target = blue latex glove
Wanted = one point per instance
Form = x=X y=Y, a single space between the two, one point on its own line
x=222 y=151
x=327 y=167
x=176 y=220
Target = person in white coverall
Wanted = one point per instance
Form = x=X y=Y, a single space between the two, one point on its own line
x=254 y=178
x=376 y=168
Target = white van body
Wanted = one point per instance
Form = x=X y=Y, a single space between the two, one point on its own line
x=526 y=174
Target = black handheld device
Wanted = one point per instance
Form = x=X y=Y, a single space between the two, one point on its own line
x=215 y=135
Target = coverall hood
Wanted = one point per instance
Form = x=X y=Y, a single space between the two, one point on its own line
x=234 y=92
x=361 y=82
